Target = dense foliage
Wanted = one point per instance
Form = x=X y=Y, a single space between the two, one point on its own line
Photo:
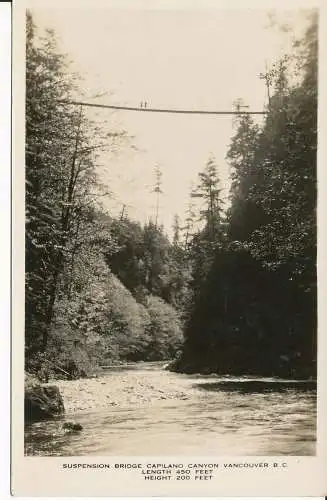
x=233 y=292
x=255 y=311
x=78 y=313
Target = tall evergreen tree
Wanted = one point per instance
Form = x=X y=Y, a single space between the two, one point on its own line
x=61 y=185
x=208 y=191
x=176 y=230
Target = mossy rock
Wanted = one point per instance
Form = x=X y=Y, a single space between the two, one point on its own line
x=70 y=427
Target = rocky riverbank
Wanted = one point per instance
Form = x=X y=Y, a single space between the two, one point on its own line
x=120 y=389
x=145 y=384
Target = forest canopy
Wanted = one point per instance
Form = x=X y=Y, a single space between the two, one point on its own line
x=233 y=291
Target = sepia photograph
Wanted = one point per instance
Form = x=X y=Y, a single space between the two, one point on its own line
x=170 y=232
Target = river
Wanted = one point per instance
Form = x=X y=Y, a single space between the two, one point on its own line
x=157 y=412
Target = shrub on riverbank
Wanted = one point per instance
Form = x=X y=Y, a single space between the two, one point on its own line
x=165 y=330
x=104 y=324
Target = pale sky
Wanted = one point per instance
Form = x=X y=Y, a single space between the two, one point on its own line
x=178 y=59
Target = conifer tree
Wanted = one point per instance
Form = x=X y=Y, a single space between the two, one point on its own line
x=208 y=192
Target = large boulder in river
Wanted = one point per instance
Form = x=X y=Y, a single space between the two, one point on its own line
x=70 y=427
x=42 y=402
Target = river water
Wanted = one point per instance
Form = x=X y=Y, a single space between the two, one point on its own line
x=216 y=416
